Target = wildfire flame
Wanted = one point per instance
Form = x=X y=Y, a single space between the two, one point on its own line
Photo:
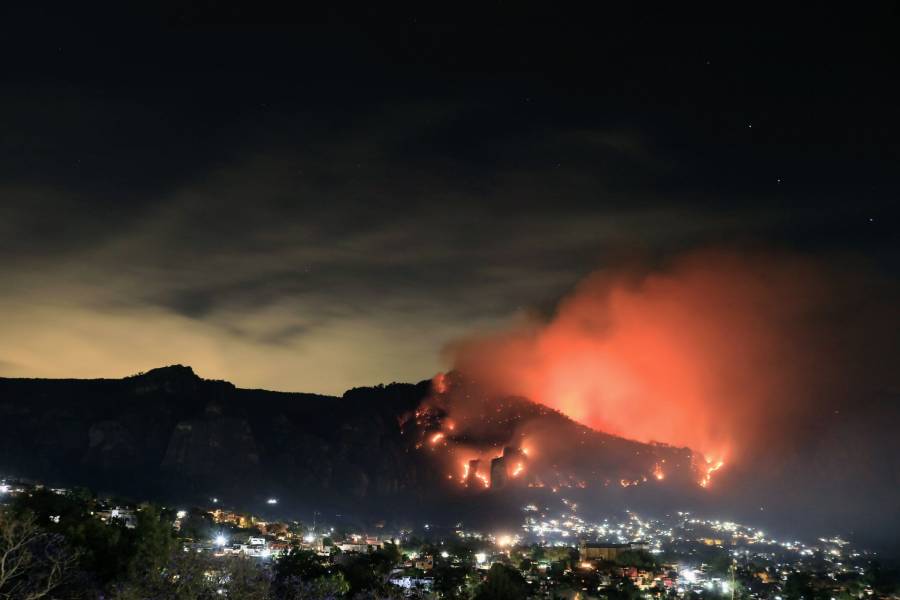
x=440 y=383
x=710 y=468
x=479 y=460
x=480 y=476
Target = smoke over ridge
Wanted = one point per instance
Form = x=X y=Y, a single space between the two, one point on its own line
x=731 y=354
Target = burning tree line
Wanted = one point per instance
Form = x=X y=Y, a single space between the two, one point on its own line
x=508 y=466
x=489 y=442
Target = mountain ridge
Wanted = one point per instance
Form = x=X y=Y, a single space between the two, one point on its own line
x=168 y=433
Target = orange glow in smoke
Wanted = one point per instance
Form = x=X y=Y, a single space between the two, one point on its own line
x=440 y=383
x=519 y=468
x=437 y=437
x=658 y=472
x=687 y=355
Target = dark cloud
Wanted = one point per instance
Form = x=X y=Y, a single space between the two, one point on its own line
x=323 y=241
x=275 y=250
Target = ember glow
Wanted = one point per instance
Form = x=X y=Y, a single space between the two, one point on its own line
x=708 y=470
x=440 y=383
x=474 y=476
x=630 y=482
x=658 y=472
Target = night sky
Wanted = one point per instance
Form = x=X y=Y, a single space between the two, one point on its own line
x=325 y=205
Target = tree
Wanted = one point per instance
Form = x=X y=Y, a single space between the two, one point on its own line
x=296 y=562
x=197 y=525
x=720 y=565
x=383 y=560
x=327 y=587
x=300 y=575
x=623 y=589
x=558 y=569
x=357 y=569
x=502 y=583
x=186 y=576
x=798 y=586
x=452 y=581
x=33 y=563
x=103 y=549
x=247 y=579
x=153 y=541
x=884 y=580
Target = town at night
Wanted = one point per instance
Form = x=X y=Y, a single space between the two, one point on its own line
x=554 y=553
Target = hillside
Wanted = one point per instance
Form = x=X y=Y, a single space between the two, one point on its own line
x=168 y=433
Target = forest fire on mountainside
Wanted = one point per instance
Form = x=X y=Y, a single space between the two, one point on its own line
x=705 y=352
x=499 y=443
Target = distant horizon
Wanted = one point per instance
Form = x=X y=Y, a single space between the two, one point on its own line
x=204 y=378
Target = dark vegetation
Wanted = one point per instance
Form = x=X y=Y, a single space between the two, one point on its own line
x=170 y=436
x=53 y=546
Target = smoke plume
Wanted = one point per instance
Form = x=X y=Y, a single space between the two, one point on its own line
x=740 y=356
